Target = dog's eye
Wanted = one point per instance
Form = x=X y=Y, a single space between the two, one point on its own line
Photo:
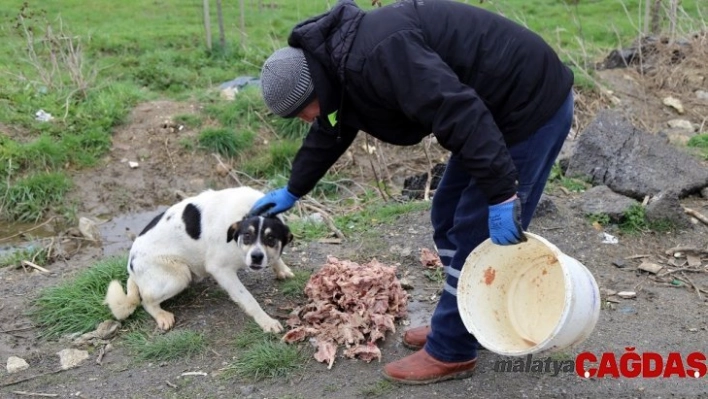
x=270 y=240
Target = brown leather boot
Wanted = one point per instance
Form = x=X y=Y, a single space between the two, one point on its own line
x=415 y=337
x=421 y=368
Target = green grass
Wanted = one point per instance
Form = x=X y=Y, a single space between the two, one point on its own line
x=76 y=306
x=263 y=355
x=361 y=222
x=253 y=334
x=173 y=345
x=699 y=142
x=133 y=51
x=557 y=178
x=225 y=142
x=31 y=197
x=377 y=214
x=634 y=220
x=295 y=286
x=267 y=359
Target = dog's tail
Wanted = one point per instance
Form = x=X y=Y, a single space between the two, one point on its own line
x=121 y=304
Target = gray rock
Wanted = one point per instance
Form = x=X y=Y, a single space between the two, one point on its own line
x=665 y=207
x=545 y=207
x=612 y=152
x=702 y=95
x=602 y=200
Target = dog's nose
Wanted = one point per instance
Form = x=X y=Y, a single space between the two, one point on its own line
x=257 y=257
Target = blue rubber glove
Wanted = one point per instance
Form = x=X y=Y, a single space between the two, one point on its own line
x=274 y=202
x=505 y=223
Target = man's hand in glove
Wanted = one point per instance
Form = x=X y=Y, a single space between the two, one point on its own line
x=505 y=222
x=274 y=202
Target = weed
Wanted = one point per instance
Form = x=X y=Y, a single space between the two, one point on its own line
x=571 y=184
x=267 y=359
x=56 y=55
x=601 y=218
x=224 y=141
x=700 y=143
x=436 y=275
x=295 y=286
x=380 y=388
x=170 y=346
x=634 y=220
x=76 y=306
x=28 y=199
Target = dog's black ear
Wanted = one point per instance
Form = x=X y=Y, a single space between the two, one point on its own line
x=231 y=232
x=288 y=235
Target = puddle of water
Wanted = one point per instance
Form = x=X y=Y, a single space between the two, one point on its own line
x=12 y=240
x=117 y=231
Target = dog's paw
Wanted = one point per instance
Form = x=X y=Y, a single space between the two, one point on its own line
x=270 y=325
x=284 y=274
x=165 y=320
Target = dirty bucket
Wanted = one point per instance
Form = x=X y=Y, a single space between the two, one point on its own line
x=527 y=298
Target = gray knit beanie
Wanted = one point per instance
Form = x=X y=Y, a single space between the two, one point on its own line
x=286 y=82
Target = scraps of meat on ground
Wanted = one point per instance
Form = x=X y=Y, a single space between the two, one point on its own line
x=351 y=305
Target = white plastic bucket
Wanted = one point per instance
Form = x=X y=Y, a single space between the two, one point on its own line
x=527 y=298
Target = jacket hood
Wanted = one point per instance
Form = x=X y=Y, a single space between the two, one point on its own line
x=326 y=40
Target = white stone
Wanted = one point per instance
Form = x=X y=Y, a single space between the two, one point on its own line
x=702 y=95
x=70 y=358
x=674 y=103
x=681 y=124
x=16 y=364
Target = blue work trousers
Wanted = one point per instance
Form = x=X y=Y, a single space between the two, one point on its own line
x=459 y=217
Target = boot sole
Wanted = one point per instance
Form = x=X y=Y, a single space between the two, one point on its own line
x=457 y=376
x=416 y=347
x=412 y=346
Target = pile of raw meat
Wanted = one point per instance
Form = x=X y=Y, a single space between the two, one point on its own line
x=350 y=305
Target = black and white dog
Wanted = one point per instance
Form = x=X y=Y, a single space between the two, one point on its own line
x=209 y=234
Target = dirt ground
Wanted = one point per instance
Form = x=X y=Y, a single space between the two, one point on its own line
x=662 y=318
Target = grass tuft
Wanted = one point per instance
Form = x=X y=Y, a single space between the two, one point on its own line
x=253 y=334
x=76 y=306
x=295 y=286
x=170 y=346
x=30 y=198
x=267 y=359
x=225 y=141
x=265 y=356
